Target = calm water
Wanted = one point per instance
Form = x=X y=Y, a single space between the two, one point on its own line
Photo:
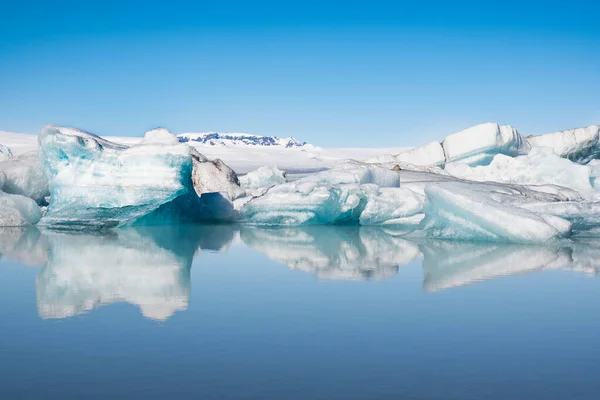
x=327 y=313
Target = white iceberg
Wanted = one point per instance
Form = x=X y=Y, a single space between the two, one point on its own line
x=386 y=206
x=479 y=144
x=540 y=167
x=25 y=176
x=579 y=145
x=18 y=210
x=456 y=211
x=431 y=154
x=265 y=176
x=339 y=195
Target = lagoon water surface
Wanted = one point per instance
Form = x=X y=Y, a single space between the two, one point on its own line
x=234 y=312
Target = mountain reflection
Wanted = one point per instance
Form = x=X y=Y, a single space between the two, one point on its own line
x=150 y=266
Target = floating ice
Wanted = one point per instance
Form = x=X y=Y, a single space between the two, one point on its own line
x=266 y=176
x=95 y=182
x=461 y=212
x=215 y=177
x=580 y=145
x=479 y=144
x=398 y=206
x=335 y=196
x=18 y=210
x=431 y=154
x=540 y=167
x=25 y=176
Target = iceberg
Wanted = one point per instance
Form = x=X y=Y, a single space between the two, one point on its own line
x=579 y=145
x=97 y=183
x=25 y=176
x=336 y=196
x=18 y=210
x=215 y=177
x=540 y=167
x=479 y=144
x=431 y=154
x=265 y=176
x=397 y=206
x=476 y=145
x=455 y=211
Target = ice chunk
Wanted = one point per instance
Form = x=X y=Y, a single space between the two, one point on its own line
x=160 y=136
x=5 y=153
x=346 y=252
x=355 y=172
x=540 y=167
x=585 y=216
x=431 y=154
x=579 y=145
x=18 y=210
x=94 y=182
x=25 y=176
x=479 y=144
x=457 y=211
x=265 y=176
x=335 y=196
x=399 y=206
x=215 y=177
x=304 y=203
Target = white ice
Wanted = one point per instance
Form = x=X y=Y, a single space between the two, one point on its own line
x=540 y=167
x=466 y=212
x=579 y=145
x=25 y=176
x=265 y=176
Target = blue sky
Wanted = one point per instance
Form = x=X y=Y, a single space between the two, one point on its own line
x=346 y=73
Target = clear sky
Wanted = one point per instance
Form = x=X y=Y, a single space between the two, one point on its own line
x=332 y=73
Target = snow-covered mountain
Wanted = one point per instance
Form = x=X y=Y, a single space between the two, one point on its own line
x=236 y=139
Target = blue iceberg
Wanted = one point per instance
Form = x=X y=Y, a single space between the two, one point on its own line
x=97 y=183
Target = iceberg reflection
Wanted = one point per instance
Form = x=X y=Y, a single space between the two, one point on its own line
x=334 y=252
x=150 y=266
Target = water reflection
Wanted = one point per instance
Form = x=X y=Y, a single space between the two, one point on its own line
x=334 y=252
x=150 y=266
